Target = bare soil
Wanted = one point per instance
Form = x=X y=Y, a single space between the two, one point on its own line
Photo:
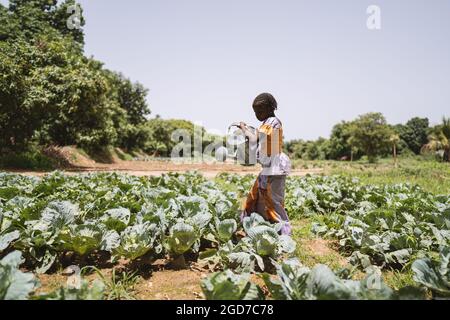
x=320 y=247
x=77 y=161
x=157 y=283
x=320 y=251
x=157 y=168
x=171 y=285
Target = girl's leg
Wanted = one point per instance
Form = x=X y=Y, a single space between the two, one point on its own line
x=255 y=200
x=274 y=199
x=252 y=200
x=267 y=199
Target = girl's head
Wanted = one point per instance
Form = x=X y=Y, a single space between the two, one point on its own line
x=265 y=106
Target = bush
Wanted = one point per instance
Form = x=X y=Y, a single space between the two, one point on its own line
x=26 y=160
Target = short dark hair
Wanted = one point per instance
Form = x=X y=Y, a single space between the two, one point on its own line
x=265 y=100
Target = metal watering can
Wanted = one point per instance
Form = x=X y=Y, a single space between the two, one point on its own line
x=243 y=151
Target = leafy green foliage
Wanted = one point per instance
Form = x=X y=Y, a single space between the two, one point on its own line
x=139 y=239
x=435 y=275
x=159 y=136
x=125 y=216
x=414 y=133
x=225 y=229
x=132 y=217
x=86 y=291
x=261 y=244
x=7 y=238
x=181 y=238
x=370 y=133
x=386 y=225
x=265 y=239
x=309 y=150
x=15 y=284
x=82 y=239
x=29 y=160
x=340 y=144
x=439 y=140
x=119 y=286
x=230 y=286
x=50 y=93
x=296 y=282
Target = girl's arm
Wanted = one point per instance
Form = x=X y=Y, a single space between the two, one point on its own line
x=253 y=137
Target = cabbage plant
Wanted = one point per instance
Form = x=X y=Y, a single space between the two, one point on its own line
x=15 y=284
x=227 y=285
x=434 y=275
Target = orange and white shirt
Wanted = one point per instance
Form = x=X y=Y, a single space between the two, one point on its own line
x=270 y=149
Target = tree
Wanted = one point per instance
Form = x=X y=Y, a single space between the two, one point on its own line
x=339 y=146
x=38 y=17
x=394 y=139
x=39 y=67
x=160 y=131
x=51 y=93
x=370 y=133
x=8 y=26
x=439 y=139
x=131 y=99
x=309 y=150
x=59 y=17
x=414 y=133
x=61 y=96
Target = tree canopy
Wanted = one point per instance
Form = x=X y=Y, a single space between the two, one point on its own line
x=50 y=93
x=372 y=136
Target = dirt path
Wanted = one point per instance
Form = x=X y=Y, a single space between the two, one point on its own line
x=76 y=161
x=156 y=168
x=312 y=250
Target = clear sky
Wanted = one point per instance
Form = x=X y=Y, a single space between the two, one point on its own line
x=205 y=60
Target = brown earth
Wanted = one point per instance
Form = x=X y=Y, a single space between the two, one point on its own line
x=77 y=161
x=171 y=285
x=322 y=251
x=164 y=284
x=155 y=168
x=319 y=246
x=161 y=284
x=207 y=171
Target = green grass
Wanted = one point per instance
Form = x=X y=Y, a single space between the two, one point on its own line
x=398 y=279
x=119 y=286
x=306 y=252
x=122 y=155
x=303 y=236
x=431 y=175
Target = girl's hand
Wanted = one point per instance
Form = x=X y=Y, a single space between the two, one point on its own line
x=243 y=126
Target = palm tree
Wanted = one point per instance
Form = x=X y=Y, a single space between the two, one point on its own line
x=394 y=139
x=353 y=148
x=439 y=139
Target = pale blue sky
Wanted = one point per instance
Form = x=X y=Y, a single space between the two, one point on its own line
x=205 y=60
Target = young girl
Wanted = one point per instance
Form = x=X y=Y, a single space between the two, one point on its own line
x=267 y=194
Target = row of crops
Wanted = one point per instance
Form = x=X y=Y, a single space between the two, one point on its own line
x=388 y=225
x=51 y=222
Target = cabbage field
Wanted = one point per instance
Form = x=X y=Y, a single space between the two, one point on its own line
x=50 y=223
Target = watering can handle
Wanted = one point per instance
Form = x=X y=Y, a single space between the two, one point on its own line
x=238 y=124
